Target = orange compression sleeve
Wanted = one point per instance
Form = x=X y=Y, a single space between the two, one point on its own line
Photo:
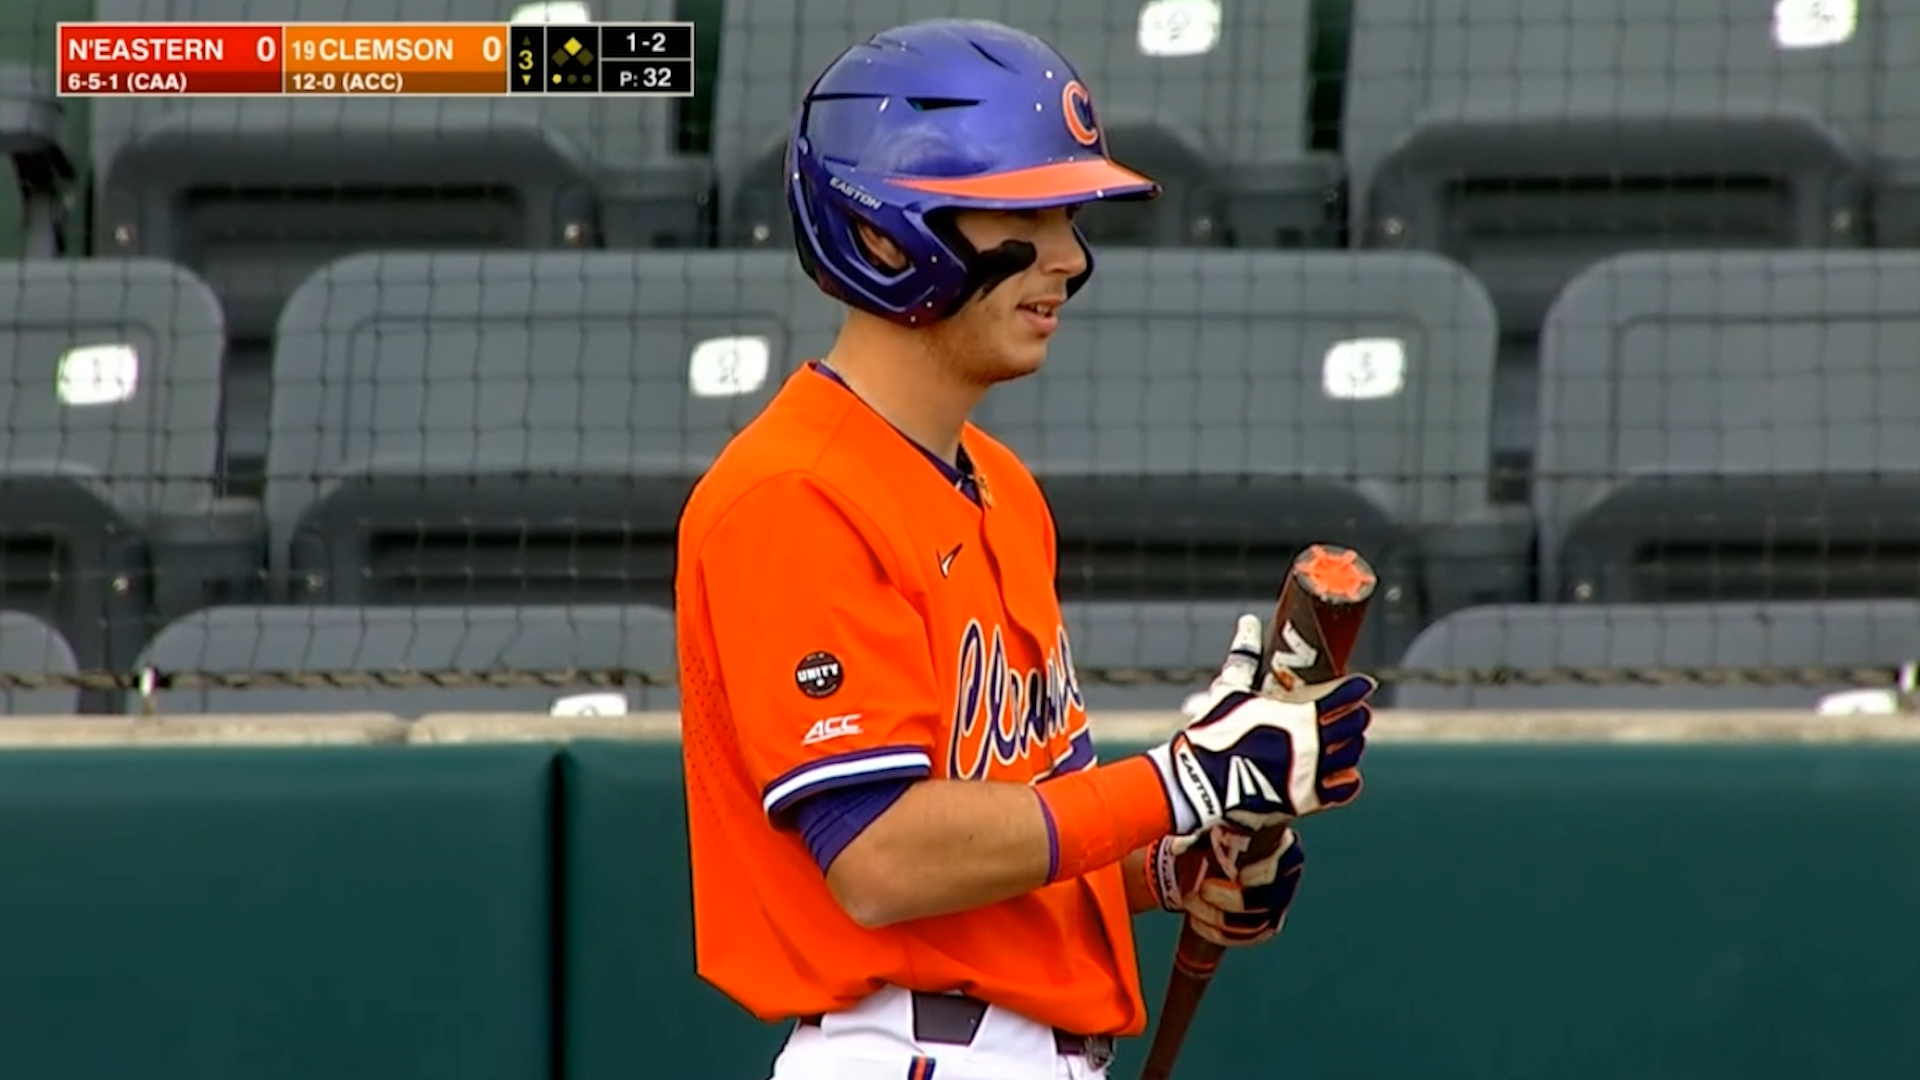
x=1096 y=817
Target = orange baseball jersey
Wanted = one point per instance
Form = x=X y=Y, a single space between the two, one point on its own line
x=846 y=615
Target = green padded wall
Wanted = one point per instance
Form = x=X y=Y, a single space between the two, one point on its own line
x=1707 y=913
x=384 y=913
x=634 y=1006
x=1572 y=913
x=364 y=913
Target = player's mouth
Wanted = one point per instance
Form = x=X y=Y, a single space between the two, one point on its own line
x=1042 y=315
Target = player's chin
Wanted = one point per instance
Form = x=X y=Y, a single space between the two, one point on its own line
x=1025 y=347
x=1022 y=358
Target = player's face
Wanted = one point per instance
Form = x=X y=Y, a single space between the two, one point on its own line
x=1003 y=333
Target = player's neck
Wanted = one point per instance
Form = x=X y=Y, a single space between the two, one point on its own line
x=888 y=369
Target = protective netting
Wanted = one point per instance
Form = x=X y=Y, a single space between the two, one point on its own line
x=1592 y=325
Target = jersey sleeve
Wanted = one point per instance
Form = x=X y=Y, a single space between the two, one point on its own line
x=827 y=665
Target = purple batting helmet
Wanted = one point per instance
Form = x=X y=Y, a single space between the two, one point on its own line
x=943 y=115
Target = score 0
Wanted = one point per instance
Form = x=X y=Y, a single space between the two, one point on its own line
x=184 y=58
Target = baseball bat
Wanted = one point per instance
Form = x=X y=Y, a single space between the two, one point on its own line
x=1309 y=641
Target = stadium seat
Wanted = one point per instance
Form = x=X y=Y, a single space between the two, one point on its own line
x=1202 y=415
x=1656 y=656
x=410 y=662
x=1896 y=128
x=32 y=651
x=1215 y=108
x=460 y=428
x=1733 y=426
x=1526 y=140
x=109 y=393
x=33 y=141
x=256 y=194
x=1151 y=656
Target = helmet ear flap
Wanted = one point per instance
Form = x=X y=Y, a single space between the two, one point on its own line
x=857 y=229
x=801 y=209
x=1075 y=283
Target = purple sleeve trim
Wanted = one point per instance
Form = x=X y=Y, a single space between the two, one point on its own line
x=1053 y=841
x=842 y=771
x=829 y=820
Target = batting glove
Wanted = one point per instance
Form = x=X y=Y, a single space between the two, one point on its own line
x=1255 y=760
x=1246 y=906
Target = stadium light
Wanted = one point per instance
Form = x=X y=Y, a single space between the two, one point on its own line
x=98 y=375
x=1364 y=369
x=1179 y=27
x=1814 y=24
x=729 y=366
x=553 y=13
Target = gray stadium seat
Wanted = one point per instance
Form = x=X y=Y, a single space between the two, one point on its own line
x=109 y=396
x=1896 y=126
x=1126 y=655
x=1225 y=129
x=481 y=659
x=254 y=194
x=1648 y=649
x=1184 y=430
x=33 y=142
x=1526 y=140
x=1732 y=426
x=458 y=428
x=31 y=649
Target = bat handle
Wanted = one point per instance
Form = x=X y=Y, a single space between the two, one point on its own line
x=1195 y=959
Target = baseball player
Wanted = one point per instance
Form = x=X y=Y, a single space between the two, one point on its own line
x=902 y=840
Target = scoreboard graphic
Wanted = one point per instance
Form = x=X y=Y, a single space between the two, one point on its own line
x=358 y=59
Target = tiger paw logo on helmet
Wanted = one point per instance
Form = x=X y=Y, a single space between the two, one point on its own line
x=1076 y=108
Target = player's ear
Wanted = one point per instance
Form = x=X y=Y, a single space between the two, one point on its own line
x=881 y=250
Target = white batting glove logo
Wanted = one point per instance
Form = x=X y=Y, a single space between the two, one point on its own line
x=1259 y=761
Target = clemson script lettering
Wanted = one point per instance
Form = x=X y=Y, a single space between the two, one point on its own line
x=1002 y=716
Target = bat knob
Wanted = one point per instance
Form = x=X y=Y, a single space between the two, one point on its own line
x=1335 y=574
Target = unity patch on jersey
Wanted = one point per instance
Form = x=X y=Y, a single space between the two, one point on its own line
x=818 y=674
